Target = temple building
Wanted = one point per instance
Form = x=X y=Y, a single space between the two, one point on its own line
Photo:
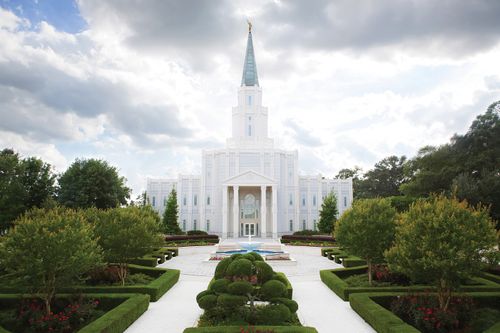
x=250 y=187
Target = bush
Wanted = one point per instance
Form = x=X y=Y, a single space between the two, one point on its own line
x=289 y=303
x=307 y=233
x=207 y=302
x=264 y=271
x=256 y=256
x=280 y=278
x=318 y=238
x=196 y=232
x=274 y=314
x=220 y=270
x=240 y=267
x=219 y=286
x=248 y=256
x=273 y=289
x=231 y=301
x=103 y=275
x=240 y=288
x=204 y=293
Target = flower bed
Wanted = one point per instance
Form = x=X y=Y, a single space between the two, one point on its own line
x=164 y=280
x=335 y=280
x=373 y=308
x=307 y=239
x=179 y=238
x=119 y=310
x=251 y=329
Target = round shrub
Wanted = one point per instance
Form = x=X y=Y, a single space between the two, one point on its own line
x=203 y=293
x=280 y=278
x=256 y=256
x=220 y=270
x=274 y=314
x=264 y=271
x=248 y=256
x=289 y=303
x=240 y=288
x=231 y=301
x=219 y=286
x=207 y=302
x=272 y=289
x=236 y=256
x=240 y=267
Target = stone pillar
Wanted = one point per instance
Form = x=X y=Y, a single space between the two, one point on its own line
x=236 y=211
x=275 y=211
x=263 y=211
x=224 y=211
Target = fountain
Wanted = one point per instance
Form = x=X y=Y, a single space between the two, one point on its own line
x=250 y=246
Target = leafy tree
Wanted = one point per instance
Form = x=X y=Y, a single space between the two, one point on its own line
x=24 y=184
x=367 y=230
x=384 y=179
x=442 y=241
x=126 y=233
x=140 y=200
x=357 y=178
x=171 y=215
x=328 y=214
x=48 y=249
x=92 y=183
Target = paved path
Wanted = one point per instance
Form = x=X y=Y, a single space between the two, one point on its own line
x=319 y=307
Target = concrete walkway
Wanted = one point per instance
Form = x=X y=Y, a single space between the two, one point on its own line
x=319 y=307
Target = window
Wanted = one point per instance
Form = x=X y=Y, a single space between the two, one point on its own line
x=290 y=199
x=208 y=225
x=183 y=225
x=154 y=201
x=314 y=200
x=303 y=200
x=291 y=225
x=304 y=225
x=249 y=100
x=184 y=201
x=315 y=225
x=164 y=201
x=195 y=200
x=208 y=201
x=345 y=201
x=249 y=130
x=194 y=224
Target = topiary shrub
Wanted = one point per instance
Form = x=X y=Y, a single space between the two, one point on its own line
x=257 y=256
x=219 y=286
x=248 y=256
x=231 y=301
x=240 y=288
x=272 y=289
x=220 y=270
x=204 y=293
x=280 y=278
x=236 y=256
x=264 y=271
x=290 y=304
x=239 y=267
x=274 y=314
x=207 y=302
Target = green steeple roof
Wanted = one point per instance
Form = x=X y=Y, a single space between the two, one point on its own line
x=250 y=77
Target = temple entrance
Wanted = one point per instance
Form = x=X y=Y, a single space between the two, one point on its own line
x=249 y=216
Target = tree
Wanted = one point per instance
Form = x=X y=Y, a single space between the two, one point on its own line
x=49 y=249
x=357 y=178
x=384 y=179
x=367 y=230
x=442 y=241
x=92 y=183
x=24 y=184
x=171 y=215
x=126 y=233
x=328 y=214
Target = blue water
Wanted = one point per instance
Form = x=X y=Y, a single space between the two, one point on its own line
x=248 y=251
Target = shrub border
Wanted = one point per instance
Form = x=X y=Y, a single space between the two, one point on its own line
x=238 y=329
x=333 y=280
x=116 y=320
x=384 y=321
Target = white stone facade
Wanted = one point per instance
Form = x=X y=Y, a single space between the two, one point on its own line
x=249 y=187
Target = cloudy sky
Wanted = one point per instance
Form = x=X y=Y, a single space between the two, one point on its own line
x=146 y=85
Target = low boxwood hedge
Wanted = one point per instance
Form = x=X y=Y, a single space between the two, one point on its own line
x=491 y=277
x=124 y=310
x=251 y=329
x=165 y=279
x=176 y=238
x=384 y=321
x=317 y=238
x=334 y=280
x=158 y=256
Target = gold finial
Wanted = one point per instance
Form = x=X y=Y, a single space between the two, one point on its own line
x=249 y=26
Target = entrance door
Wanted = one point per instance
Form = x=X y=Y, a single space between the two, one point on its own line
x=249 y=216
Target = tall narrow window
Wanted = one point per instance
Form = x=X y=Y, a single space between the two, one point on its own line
x=195 y=200
x=304 y=225
x=208 y=201
x=315 y=225
x=154 y=201
x=164 y=201
x=249 y=126
x=249 y=100
x=208 y=225
x=345 y=201
x=183 y=225
x=303 y=201
x=291 y=199
x=184 y=201
x=314 y=200
x=194 y=224
x=291 y=225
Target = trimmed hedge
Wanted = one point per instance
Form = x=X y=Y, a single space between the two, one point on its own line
x=289 y=288
x=334 y=280
x=175 y=238
x=165 y=279
x=318 y=238
x=384 y=321
x=158 y=256
x=130 y=307
x=238 y=329
x=491 y=277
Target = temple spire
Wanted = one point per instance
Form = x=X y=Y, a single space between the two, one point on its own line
x=250 y=77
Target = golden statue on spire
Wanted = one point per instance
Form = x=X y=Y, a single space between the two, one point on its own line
x=249 y=25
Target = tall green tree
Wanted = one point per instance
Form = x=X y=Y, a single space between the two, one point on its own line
x=328 y=214
x=92 y=183
x=356 y=174
x=24 y=183
x=367 y=229
x=48 y=249
x=384 y=179
x=171 y=215
x=442 y=241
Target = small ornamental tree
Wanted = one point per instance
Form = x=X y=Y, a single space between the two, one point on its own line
x=171 y=215
x=126 y=233
x=442 y=241
x=367 y=230
x=48 y=249
x=328 y=214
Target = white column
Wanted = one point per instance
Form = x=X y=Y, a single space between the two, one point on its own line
x=224 y=211
x=263 y=211
x=236 y=211
x=275 y=211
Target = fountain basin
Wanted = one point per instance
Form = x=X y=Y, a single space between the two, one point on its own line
x=250 y=246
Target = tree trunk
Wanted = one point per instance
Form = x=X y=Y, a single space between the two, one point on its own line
x=122 y=272
x=369 y=262
x=444 y=295
x=49 y=293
